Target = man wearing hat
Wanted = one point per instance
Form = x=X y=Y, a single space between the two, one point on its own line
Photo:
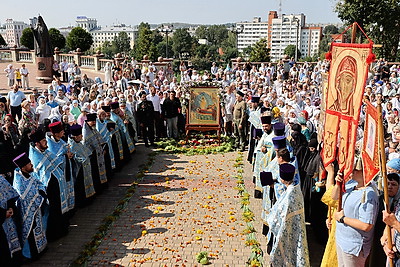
x=48 y=168
x=60 y=148
x=239 y=121
x=95 y=142
x=105 y=123
x=255 y=126
x=101 y=126
x=30 y=205
x=129 y=119
x=263 y=153
x=84 y=187
x=146 y=118
x=127 y=142
x=287 y=224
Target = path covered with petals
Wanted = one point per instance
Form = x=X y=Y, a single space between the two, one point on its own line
x=184 y=205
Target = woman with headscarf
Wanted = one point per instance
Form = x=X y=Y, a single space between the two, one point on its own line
x=43 y=110
x=75 y=109
x=28 y=118
x=298 y=142
x=3 y=110
x=67 y=112
x=10 y=74
x=108 y=73
x=377 y=256
x=55 y=115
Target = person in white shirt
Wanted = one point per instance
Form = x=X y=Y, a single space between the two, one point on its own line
x=155 y=98
x=24 y=76
x=227 y=114
x=64 y=69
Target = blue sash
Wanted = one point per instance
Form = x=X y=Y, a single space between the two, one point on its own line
x=123 y=131
x=46 y=164
x=93 y=140
x=82 y=158
x=107 y=136
x=29 y=205
x=7 y=192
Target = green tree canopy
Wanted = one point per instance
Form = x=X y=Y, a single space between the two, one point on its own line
x=2 y=41
x=373 y=16
x=290 y=51
x=27 y=38
x=108 y=49
x=182 y=42
x=122 y=42
x=56 y=38
x=260 y=51
x=217 y=34
x=144 y=43
x=79 y=38
x=330 y=29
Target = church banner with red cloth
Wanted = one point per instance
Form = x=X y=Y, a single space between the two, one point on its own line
x=347 y=76
x=370 y=151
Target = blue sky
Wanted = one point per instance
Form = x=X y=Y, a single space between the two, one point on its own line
x=132 y=12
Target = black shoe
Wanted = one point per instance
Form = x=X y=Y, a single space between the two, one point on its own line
x=258 y=194
x=146 y=145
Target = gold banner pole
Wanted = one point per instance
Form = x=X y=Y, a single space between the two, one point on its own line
x=384 y=176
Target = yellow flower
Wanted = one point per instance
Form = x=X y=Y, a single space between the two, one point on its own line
x=144 y=232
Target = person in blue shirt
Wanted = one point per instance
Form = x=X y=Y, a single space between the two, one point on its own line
x=14 y=101
x=356 y=220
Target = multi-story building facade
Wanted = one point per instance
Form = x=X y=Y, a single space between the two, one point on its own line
x=253 y=31
x=13 y=31
x=281 y=31
x=107 y=33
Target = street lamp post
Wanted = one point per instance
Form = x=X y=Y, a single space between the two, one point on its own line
x=297 y=21
x=167 y=29
x=237 y=30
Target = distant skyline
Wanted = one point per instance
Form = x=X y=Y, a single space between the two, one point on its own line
x=60 y=14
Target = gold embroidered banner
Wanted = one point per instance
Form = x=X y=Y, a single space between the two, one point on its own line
x=370 y=154
x=346 y=82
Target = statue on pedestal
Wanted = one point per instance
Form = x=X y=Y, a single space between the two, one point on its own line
x=42 y=39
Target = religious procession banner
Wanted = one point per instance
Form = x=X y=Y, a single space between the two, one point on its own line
x=346 y=82
x=204 y=107
x=370 y=154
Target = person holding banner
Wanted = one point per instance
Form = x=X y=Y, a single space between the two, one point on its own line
x=356 y=220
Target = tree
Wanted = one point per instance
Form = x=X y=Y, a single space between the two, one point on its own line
x=201 y=32
x=2 y=41
x=290 y=51
x=122 y=42
x=383 y=14
x=216 y=34
x=56 y=38
x=260 y=51
x=143 y=42
x=27 y=38
x=331 y=29
x=79 y=38
x=108 y=50
x=182 y=42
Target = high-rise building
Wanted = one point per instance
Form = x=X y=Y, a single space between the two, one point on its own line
x=292 y=30
x=14 y=31
x=281 y=31
x=253 y=31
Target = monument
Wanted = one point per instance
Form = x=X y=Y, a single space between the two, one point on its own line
x=43 y=51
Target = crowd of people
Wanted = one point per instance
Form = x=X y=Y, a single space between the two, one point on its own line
x=60 y=146
x=284 y=105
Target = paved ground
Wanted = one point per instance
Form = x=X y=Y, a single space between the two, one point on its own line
x=181 y=199
x=186 y=204
x=32 y=76
x=85 y=222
